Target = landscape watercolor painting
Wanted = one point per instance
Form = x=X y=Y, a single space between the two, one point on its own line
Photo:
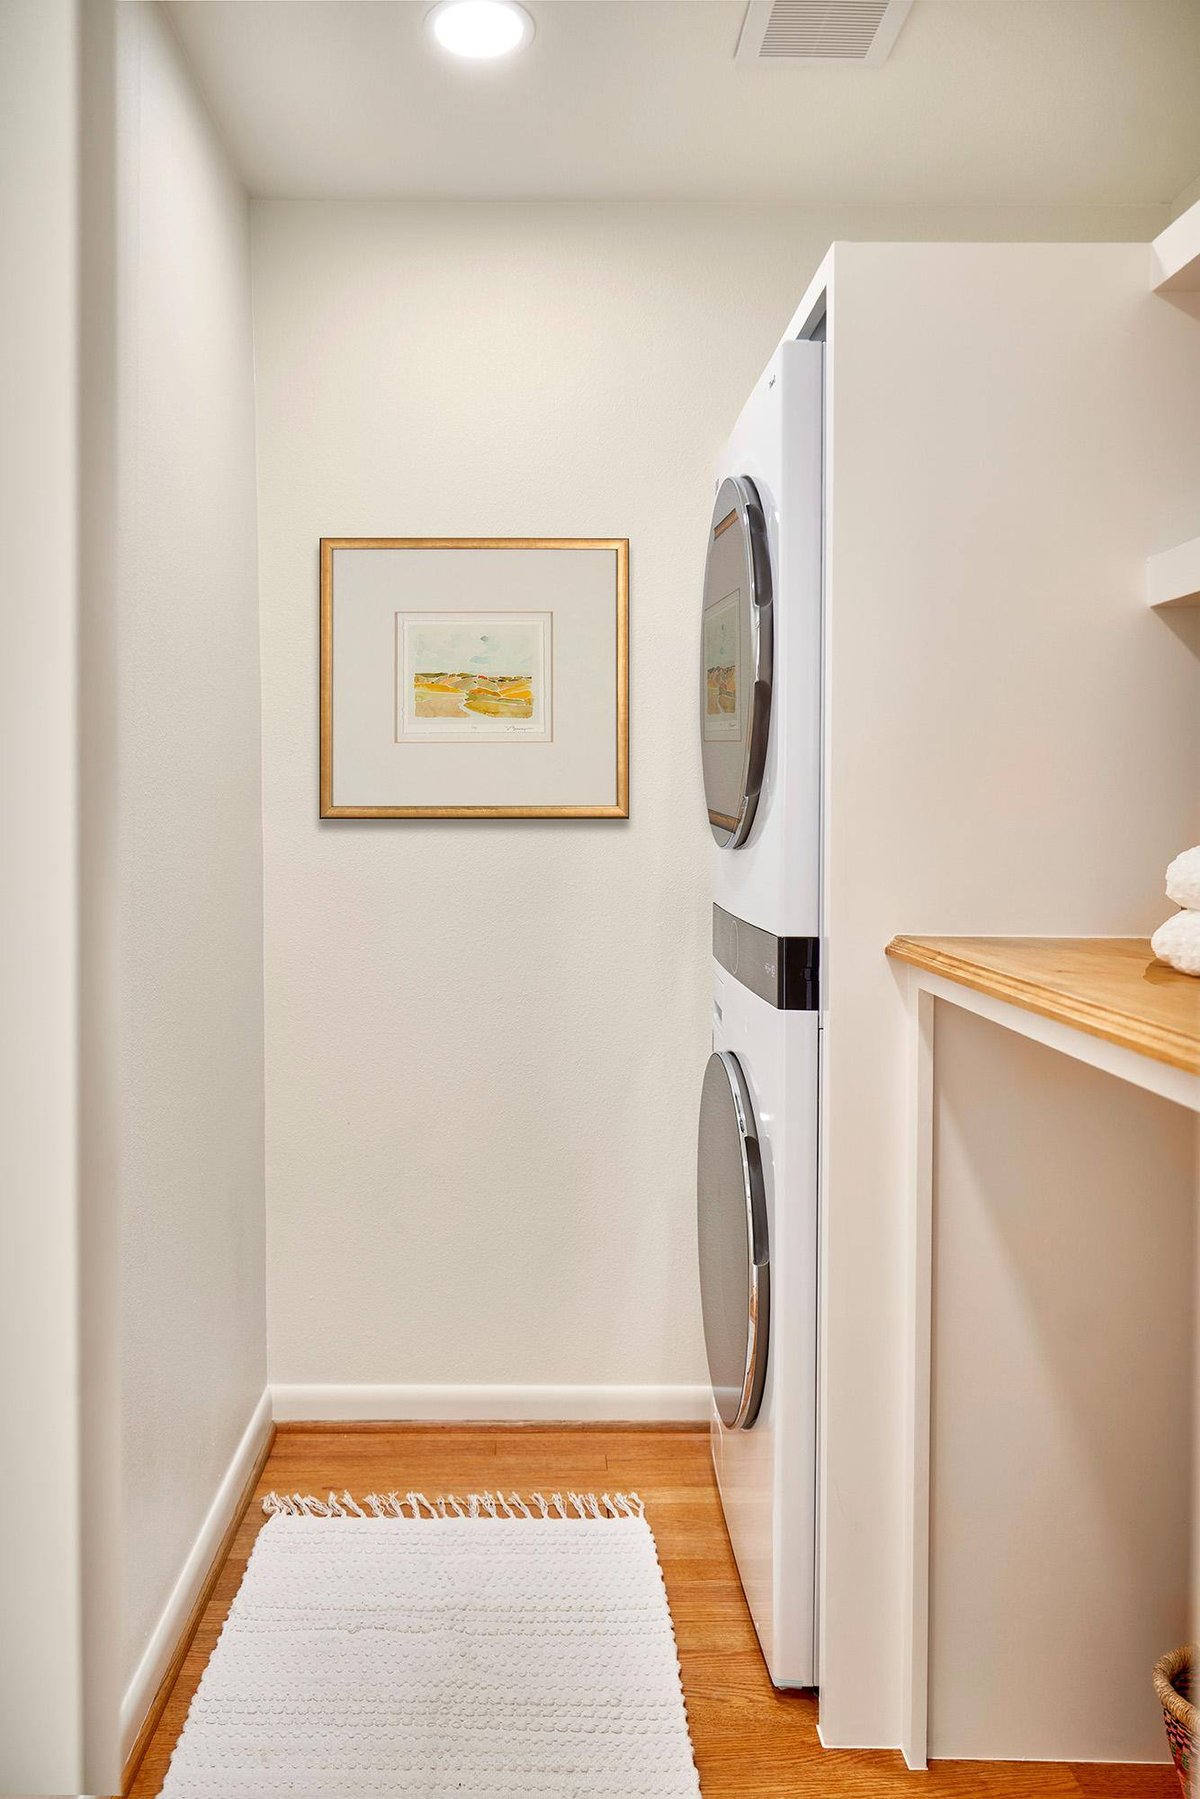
x=446 y=695
x=722 y=633
x=462 y=676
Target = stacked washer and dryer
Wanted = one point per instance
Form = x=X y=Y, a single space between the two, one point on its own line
x=760 y=726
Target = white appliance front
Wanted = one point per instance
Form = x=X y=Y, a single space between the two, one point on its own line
x=773 y=878
x=767 y=1471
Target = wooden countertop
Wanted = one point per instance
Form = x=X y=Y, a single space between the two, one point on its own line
x=1110 y=987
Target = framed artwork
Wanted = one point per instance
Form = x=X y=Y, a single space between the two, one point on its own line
x=474 y=677
x=722 y=670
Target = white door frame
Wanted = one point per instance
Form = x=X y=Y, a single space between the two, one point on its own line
x=60 y=1617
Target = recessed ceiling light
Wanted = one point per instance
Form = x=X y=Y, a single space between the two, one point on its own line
x=480 y=29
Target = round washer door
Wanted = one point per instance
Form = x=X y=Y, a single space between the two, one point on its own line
x=735 y=661
x=735 y=1274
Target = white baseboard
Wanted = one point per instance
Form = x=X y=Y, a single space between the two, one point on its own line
x=139 y=1694
x=568 y=1405
x=377 y=1402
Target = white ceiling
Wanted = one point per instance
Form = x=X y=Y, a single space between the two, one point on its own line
x=1050 y=101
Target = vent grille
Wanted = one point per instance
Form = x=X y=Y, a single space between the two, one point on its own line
x=778 y=32
x=800 y=28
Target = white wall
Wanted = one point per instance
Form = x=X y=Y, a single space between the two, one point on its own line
x=190 y=869
x=463 y=1195
x=1015 y=739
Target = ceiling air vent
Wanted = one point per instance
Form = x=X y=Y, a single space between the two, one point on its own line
x=777 y=33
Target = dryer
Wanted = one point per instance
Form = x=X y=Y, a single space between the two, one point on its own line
x=760 y=699
x=760 y=729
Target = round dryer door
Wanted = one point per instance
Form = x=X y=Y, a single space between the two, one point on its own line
x=735 y=1275
x=735 y=662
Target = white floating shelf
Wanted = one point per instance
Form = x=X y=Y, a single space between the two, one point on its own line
x=1173 y=576
x=1175 y=254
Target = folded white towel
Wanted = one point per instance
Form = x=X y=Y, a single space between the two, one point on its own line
x=1178 y=942
x=1183 y=879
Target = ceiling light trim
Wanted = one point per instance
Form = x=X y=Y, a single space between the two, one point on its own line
x=468 y=29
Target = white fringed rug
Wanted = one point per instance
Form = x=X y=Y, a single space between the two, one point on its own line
x=443 y=1648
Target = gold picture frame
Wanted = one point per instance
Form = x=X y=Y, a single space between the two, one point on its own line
x=619 y=546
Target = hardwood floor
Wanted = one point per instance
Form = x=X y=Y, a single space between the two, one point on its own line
x=750 y=1741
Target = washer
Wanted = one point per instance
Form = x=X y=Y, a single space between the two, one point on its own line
x=760 y=730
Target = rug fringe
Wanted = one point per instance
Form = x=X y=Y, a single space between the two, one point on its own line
x=450 y=1505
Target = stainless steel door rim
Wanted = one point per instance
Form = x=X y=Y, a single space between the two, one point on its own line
x=735 y=1271
x=736 y=660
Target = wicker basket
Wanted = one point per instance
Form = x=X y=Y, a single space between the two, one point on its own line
x=1173 y=1684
